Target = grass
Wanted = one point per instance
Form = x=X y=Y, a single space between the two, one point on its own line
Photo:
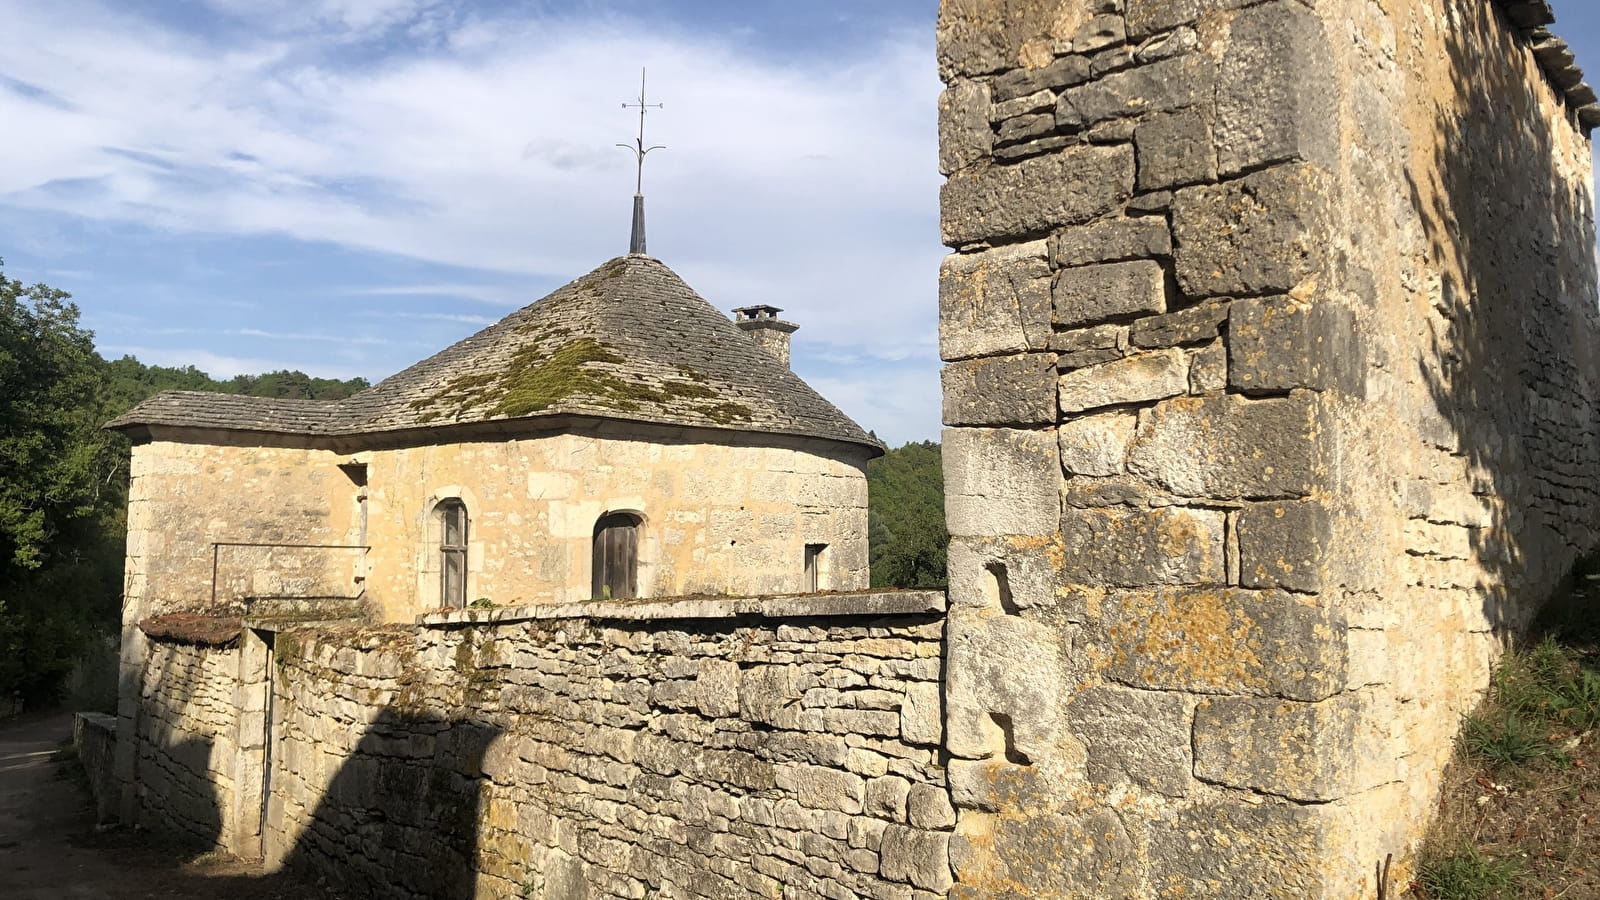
x=1520 y=814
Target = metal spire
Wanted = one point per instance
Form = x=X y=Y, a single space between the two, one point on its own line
x=636 y=243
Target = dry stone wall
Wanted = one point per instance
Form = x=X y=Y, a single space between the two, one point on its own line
x=186 y=741
x=1269 y=338
x=641 y=756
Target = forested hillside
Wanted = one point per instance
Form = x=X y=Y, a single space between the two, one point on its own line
x=63 y=480
x=906 y=517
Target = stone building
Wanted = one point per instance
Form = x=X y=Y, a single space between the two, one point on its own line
x=618 y=438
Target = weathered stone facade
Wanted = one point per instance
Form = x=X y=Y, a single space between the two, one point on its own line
x=1270 y=339
x=715 y=748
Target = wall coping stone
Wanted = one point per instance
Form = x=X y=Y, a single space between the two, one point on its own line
x=867 y=603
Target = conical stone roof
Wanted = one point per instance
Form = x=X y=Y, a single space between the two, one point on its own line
x=628 y=341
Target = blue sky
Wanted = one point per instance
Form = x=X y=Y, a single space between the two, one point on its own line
x=347 y=186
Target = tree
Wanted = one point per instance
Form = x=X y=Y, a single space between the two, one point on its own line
x=61 y=490
x=906 y=536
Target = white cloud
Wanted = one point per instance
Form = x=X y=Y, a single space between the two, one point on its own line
x=811 y=187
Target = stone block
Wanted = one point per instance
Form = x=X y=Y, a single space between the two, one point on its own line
x=1022 y=129
x=1224 y=640
x=1127 y=547
x=1089 y=295
x=1163 y=86
x=1301 y=751
x=1001 y=481
x=1135 y=736
x=1227 y=847
x=1004 y=676
x=1037 y=102
x=1003 y=574
x=964 y=134
x=922 y=714
x=977 y=37
x=1195 y=325
x=1264 y=233
x=886 y=797
x=1277 y=95
x=717 y=688
x=1063 y=72
x=1286 y=545
x=1048 y=853
x=1137 y=379
x=766 y=692
x=921 y=858
x=1230 y=447
x=1175 y=150
x=1089 y=346
x=1278 y=344
x=997 y=301
x=1015 y=390
x=817 y=787
x=1111 y=240
x=1034 y=196
x=928 y=806
x=1208 y=373
x=1096 y=445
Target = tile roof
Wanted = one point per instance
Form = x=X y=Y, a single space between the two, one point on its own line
x=628 y=341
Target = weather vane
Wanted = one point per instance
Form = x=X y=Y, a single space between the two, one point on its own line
x=640 y=151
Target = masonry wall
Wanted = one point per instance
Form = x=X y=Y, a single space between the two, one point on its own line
x=186 y=742
x=1269 y=338
x=707 y=756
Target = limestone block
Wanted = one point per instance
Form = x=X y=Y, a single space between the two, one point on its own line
x=1036 y=102
x=1092 y=294
x=997 y=301
x=919 y=857
x=1195 y=325
x=1229 y=848
x=886 y=797
x=1001 y=665
x=1096 y=445
x=1023 y=129
x=1063 y=72
x=1111 y=240
x=1175 y=151
x=1278 y=344
x=1208 y=373
x=1225 y=640
x=1017 y=390
x=1136 y=736
x=922 y=715
x=1031 y=197
x=976 y=37
x=1127 y=546
x=1163 y=86
x=717 y=688
x=765 y=692
x=928 y=806
x=1302 y=751
x=1089 y=346
x=964 y=135
x=1003 y=573
x=1277 y=96
x=1261 y=234
x=1081 y=853
x=1230 y=447
x=1001 y=481
x=817 y=787
x=1136 y=379
x=1287 y=545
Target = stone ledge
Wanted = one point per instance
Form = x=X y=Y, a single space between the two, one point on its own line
x=868 y=603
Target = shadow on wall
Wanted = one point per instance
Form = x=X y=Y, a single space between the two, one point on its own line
x=1511 y=241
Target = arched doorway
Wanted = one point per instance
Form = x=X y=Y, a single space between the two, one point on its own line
x=616 y=556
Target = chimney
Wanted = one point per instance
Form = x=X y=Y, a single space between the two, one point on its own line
x=766 y=329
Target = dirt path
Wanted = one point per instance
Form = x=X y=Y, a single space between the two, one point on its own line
x=49 y=849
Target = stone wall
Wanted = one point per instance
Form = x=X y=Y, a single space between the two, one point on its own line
x=1270 y=375
x=94 y=735
x=705 y=748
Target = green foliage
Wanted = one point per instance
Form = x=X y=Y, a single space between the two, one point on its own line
x=1548 y=689
x=1467 y=874
x=1503 y=741
x=905 y=530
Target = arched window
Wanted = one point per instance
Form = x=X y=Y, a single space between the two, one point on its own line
x=616 y=556
x=452 y=515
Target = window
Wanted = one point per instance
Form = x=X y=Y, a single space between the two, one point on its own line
x=452 y=515
x=813 y=582
x=616 y=556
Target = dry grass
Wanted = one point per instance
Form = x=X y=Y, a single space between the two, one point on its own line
x=1520 y=815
